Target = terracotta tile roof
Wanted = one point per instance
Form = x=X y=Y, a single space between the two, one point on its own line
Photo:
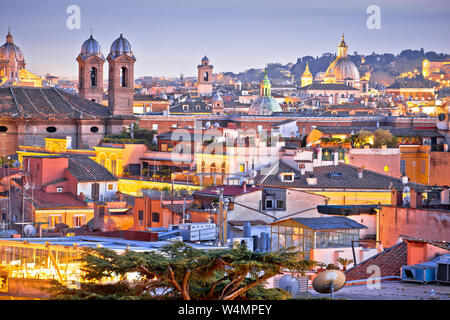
x=84 y=170
x=390 y=261
x=47 y=104
x=176 y=208
x=331 y=177
x=43 y=199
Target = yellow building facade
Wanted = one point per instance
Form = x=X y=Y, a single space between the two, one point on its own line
x=415 y=162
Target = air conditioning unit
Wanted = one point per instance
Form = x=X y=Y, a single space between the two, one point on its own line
x=422 y=273
x=443 y=272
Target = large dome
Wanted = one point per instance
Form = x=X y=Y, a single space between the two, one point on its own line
x=264 y=106
x=90 y=47
x=121 y=46
x=343 y=69
x=9 y=51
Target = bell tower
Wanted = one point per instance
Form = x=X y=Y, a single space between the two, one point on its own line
x=205 y=77
x=121 y=77
x=90 y=71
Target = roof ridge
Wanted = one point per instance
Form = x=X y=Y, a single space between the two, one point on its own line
x=66 y=101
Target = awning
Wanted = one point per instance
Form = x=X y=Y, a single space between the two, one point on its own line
x=348 y=210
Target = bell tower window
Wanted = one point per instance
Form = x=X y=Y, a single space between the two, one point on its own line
x=93 y=77
x=123 y=76
x=205 y=76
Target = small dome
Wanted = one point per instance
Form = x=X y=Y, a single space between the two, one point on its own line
x=121 y=46
x=205 y=58
x=9 y=51
x=90 y=47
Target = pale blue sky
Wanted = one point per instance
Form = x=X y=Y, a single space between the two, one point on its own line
x=171 y=36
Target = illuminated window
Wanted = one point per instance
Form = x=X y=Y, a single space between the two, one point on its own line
x=110 y=186
x=54 y=220
x=114 y=166
x=78 y=221
x=223 y=167
x=213 y=167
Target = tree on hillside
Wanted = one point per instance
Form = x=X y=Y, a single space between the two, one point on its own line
x=179 y=271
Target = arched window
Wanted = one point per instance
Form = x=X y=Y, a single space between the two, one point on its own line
x=206 y=76
x=213 y=168
x=203 y=166
x=223 y=167
x=81 y=77
x=93 y=77
x=342 y=95
x=123 y=77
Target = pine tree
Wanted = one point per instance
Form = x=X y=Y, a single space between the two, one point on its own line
x=179 y=271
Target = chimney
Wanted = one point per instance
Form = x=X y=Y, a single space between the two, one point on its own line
x=415 y=199
x=244 y=185
x=360 y=173
x=396 y=197
x=335 y=158
x=311 y=181
x=81 y=197
x=404 y=179
x=119 y=196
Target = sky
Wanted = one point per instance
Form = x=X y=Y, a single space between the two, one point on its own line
x=169 y=37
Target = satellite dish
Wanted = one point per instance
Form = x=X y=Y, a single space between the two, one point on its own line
x=29 y=230
x=329 y=281
x=441 y=116
x=216 y=125
x=208 y=125
x=290 y=284
x=253 y=173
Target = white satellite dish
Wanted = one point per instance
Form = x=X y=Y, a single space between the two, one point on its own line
x=208 y=125
x=216 y=125
x=290 y=284
x=253 y=173
x=29 y=230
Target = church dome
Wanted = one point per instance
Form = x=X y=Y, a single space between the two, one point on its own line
x=90 y=47
x=121 y=46
x=343 y=69
x=9 y=51
x=264 y=105
x=205 y=58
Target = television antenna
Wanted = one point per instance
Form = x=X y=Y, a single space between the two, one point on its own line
x=329 y=281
